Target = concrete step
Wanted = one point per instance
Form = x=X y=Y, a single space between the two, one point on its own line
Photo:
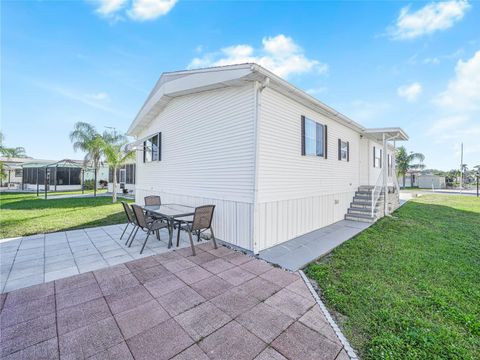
x=367 y=192
x=365 y=201
x=367 y=196
x=360 y=217
x=363 y=211
x=363 y=205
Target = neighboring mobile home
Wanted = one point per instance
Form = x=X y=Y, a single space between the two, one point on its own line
x=125 y=178
x=275 y=161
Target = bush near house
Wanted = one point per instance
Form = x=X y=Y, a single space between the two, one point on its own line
x=409 y=286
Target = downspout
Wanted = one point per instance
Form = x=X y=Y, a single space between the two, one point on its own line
x=258 y=88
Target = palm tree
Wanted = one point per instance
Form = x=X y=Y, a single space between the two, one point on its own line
x=116 y=156
x=404 y=161
x=16 y=152
x=86 y=138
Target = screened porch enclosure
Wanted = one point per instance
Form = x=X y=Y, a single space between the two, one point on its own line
x=55 y=176
x=63 y=175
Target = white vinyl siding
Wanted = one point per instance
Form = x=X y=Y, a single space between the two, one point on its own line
x=207 y=146
x=207 y=157
x=298 y=194
x=282 y=172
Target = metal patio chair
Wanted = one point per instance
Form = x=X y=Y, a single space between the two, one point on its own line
x=147 y=226
x=130 y=221
x=202 y=221
x=153 y=200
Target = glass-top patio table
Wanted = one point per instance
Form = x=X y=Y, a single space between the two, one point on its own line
x=171 y=212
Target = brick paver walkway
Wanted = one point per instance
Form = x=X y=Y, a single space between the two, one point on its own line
x=220 y=304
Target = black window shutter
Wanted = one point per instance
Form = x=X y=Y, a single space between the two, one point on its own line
x=339 y=149
x=374 y=150
x=144 y=150
x=326 y=141
x=303 y=135
x=160 y=146
x=348 y=151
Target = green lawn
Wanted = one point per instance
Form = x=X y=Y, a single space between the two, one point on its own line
x=25 y=214
x=409 y=286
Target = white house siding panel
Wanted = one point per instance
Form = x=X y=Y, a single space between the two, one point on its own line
x=298 y=194
x=232 y=220
x=207 y=152
x=374 y=172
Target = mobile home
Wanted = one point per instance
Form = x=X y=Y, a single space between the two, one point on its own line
x=275 y=161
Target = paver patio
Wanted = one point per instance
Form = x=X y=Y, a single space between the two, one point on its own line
x=231 y=306
x=41 y=258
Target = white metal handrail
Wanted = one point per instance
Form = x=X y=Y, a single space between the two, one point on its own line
x=379 y=185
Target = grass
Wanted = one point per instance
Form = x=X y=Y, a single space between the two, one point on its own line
x=409 y=286
x=24 y=214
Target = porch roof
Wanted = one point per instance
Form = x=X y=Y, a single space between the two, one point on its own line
x=393 y=133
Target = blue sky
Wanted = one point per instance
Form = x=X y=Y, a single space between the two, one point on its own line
x=409 y=64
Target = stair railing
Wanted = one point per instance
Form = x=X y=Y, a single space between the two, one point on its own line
x=395 y=178
x=376 y=191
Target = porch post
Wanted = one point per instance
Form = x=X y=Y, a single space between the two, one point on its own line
x=385 y=174
x=37 y=181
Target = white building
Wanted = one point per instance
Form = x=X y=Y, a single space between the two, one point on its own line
x=275 y=161
x=125 y=177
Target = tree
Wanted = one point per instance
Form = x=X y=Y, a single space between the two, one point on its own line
x=16 y=152
x=116 y=157
x=405 y=162
x=86 y=138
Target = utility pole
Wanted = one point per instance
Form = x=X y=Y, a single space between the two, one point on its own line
x=461 y=168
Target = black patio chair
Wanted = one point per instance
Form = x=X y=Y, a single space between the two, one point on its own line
x=147 y=226
x=202 y=221
x=130 y=221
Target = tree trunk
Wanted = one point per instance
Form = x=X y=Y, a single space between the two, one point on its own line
x=114 y=185
x=95 y=182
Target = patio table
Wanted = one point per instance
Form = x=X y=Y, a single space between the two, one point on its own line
x=171 y=212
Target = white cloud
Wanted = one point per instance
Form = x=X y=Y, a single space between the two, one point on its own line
x=410 y=92
x=365 y=112
x=280 y=54
x=74 y=95
x=139 y=10
x=429 y=19
x=109 y=7
x=317 y=90
x=100 y=96
x=463 y=91
x=458 y=111
x=431 y=61
x=447 y=124
x=150 y=9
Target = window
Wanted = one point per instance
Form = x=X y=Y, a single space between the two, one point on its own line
x=129 y=171
x=152 y=148
x=343 y=150
x=18 y=172
x=314 y=138
x=377 y=157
